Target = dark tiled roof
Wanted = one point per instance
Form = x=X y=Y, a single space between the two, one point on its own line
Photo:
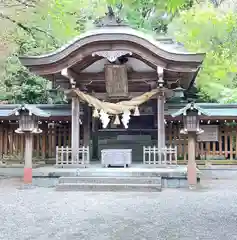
x=64 y=110
x=213 y=109
x=191 y=106
x=53 y=110
x=33 y=109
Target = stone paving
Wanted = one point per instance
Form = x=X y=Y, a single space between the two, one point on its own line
x=42 y=214
x=215 y=172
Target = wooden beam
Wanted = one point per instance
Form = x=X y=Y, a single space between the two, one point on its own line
x=133 y=77
x=100 y=83
x=98 y=77
x=104 y=95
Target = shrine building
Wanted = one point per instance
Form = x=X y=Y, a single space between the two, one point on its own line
x=126 y=90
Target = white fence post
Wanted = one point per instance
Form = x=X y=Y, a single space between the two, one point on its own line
x=154 y=155
x=67 y=155
x=57 y=155
x=64 y=156
x=176 y=158
x=144 y=155
x=164 y=156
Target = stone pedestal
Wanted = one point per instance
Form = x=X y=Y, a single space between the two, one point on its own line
x=192 y=168
x=28 y=158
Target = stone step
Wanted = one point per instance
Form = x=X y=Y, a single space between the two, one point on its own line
x=111 y=180
x=108 y=187
x=119 y=172
x=148 y=171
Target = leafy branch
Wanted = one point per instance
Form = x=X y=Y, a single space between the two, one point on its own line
x=18 y=3
x=30 y=30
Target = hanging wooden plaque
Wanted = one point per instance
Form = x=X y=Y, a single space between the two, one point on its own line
x=116 y=80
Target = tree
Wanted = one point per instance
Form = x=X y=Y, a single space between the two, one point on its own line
x=206 y=28
x=35 y=27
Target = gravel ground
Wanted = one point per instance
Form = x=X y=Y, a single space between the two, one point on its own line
x=220 y=174
x=42 y=214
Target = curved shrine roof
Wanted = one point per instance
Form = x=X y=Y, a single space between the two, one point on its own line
x=164 y=48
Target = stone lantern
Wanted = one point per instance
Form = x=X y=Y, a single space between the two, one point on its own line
x=178 y=93
x=191 y=116
x=28 y=122
x=191 y=121
x=28 y=117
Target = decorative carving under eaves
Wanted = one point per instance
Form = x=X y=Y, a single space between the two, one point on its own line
x=112 y=56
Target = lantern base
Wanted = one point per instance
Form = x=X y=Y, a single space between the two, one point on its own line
x=37 y=131
x=18 y=130
x=185 y=131
x=200 y=131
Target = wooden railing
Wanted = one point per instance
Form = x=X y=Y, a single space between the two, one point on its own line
x=224 y=148
x=163 y=156
x=64 y=157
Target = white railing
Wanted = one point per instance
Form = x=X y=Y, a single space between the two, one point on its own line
x=164 y=156
x=64 y=157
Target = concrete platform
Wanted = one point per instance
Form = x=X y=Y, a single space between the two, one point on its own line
x=48 y=176
x=171 y=176
x=97 y=170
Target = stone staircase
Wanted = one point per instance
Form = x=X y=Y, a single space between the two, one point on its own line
x=110 y=183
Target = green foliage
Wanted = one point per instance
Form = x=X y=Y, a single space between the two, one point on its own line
x=20 y=86
x=170 y=6
x=46 y=31
x=205 y=28
x=36 y=27
x=147 y=16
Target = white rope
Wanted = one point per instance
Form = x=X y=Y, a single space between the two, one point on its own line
x=115 y=108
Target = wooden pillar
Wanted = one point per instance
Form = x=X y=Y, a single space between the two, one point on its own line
x=95 y=138
x=28 y=158
x=75 y=128
x=86 y=125
x=192 y=169
x=160 y=120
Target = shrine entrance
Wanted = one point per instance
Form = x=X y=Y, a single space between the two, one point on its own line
x=118 y=80
x=140 y=132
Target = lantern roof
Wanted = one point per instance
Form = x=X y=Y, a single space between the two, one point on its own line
x=31 y=109
x=191 y=107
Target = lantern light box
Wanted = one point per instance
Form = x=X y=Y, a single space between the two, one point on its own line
x=28 y=117
x=191 y=117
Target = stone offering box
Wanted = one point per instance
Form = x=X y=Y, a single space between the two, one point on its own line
x=116 y=157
